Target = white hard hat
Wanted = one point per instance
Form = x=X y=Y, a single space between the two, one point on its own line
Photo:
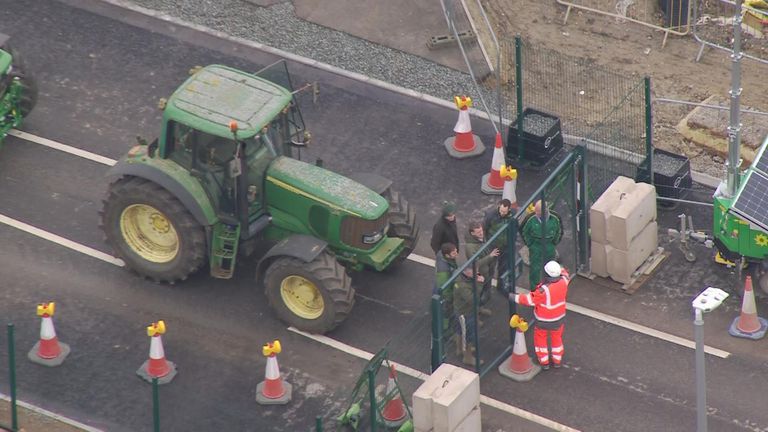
x=552 y=269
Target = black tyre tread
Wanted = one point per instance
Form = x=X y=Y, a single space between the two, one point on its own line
x=28 y=82
x=190 y=232
x=333 y=281
x=402 y=222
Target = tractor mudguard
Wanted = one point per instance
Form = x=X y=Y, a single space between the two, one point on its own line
x=303 y=247
x=372 y=181
x=3 y=39
x=198 y=204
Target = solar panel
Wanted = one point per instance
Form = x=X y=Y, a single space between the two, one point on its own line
x=761 y=163
x=752 y=201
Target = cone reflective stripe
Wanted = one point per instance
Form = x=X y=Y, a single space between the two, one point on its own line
x=464 y=141
x=748 y=324
x=509 y=175
x=157 y=366
x=519 y=367
x=394 y=410
x=494 y=179
x=272 y=391
x=49 y=344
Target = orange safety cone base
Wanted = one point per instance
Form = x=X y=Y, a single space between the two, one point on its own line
x=282 y=400
x=759 y=334
x=506 y=371
x=143 y=372
x=34 y=357
x=487 y=189
x=477 y=149
x=397 y=422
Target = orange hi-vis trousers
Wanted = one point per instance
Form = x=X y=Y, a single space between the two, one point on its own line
x=540 y=344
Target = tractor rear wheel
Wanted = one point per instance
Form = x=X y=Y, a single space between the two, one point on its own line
x=402 y=222
x=759 y=273
x=152 y=231
x=28 y=83
x=313 y=296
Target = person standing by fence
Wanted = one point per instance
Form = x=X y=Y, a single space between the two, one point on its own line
x=535 y=228
x=445 y=266
x=496 y=219
x=445 y=230
x=486 y=262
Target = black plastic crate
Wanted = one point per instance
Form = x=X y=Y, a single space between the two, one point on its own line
x=542 y=137
x=671 y=174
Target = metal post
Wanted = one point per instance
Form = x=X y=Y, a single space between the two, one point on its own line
x=372 y=394
x=511 y=279
x=155 y=405
x=12 y=377
x=701 y=384
x=476 y=312
x=543 y=245
x=649 y=128
x=519 y=93
x=318 y=424
x=583 y=211
x=437 y=332
x=734 y=126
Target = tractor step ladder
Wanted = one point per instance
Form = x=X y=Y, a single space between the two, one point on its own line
x=224 y=250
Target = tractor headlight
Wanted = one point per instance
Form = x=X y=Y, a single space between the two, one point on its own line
x=373 y=238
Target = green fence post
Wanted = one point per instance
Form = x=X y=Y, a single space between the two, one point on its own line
x=510 y=280
x=318 y=424
x=155 y=405
x=582 y=221
x=475 y=311
x=649 y=128
x=372 y=394
x=519 y=93
x=12 y=377
x=437 y=332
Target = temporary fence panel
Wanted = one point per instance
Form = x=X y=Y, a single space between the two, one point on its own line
x=669 y=16
x=713 y=22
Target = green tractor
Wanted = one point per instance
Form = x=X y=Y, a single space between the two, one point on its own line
x=221 y=182
x=740 y=225
x=18 y=88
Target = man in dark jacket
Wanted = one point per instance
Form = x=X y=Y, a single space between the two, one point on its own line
x=445 y=230
x=486 y=262
x=495 y=220
x=445 y=266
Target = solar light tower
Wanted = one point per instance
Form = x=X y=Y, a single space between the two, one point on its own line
x=734 y=127
x=707 y=301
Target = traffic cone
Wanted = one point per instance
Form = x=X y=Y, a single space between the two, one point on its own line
x=394 y=413
x=519 y=367
x=509 y=175
x=492 y=183
x=748 y=324
x=157 y=366
x=464 y=143
x=273 y=391
x=48 y=351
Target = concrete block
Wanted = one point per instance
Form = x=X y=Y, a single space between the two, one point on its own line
x=635 y=210
x=599 y=263
x=622 y=263
x=455 y=399
x=446 y=384
x=602 y=209
x=422 y=408
x=471 y=423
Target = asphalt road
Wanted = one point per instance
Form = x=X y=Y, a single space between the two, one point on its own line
x=99 y=83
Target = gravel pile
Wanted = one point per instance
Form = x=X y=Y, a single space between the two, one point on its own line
x=537 y=124
x=666 y=165
x=259 y=24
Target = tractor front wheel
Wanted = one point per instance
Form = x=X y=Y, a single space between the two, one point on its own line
x=313 y=296
x=152 y=231
x=402 y=222
x=20 y=72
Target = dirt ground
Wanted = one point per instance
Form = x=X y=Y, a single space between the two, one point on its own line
x=30 y=421
x=637 y=50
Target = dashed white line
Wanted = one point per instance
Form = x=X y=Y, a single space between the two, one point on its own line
x=401 y=368
x=62 y=147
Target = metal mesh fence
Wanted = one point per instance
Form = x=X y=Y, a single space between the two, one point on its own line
x=713 y=27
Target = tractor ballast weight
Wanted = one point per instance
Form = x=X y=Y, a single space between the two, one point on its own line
x=18 y=88
x=221 y=182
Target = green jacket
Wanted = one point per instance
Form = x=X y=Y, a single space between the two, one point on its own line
x=486 y=261
x=444 y=268
x=531 y=233
x=463 y=299
x=494 y=222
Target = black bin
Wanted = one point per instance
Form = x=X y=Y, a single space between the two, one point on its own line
x=675 y=13
x=542 y=137
x=671 y=174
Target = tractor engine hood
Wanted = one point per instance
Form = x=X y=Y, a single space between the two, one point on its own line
x=326 y=187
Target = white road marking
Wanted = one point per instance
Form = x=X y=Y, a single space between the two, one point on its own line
x=429 y=262
x=50 y=414
x=365 y=355
x=62 y=147
x=61 y=241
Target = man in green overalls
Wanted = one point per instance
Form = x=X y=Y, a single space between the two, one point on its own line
x=532 y=232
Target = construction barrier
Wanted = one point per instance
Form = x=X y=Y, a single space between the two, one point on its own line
x=157 y=366
x=273 y=390
x=48 y=351
x=464 y=143
x=519 y=367
x=492 y=183
x=748 y=325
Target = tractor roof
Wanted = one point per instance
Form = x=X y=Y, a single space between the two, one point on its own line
x=214 y=96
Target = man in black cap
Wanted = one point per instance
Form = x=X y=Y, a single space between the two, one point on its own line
x=445 y=230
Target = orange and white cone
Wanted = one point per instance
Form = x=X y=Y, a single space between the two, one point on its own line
x=509 y=175
x=519 y=367
x=157 y=366
x=748 y=324
x=394 y=412
x=48 y=351
x=464 y=143
x=492 y=183
x=272 y=391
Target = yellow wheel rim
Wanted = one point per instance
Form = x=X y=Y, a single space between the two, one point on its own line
x=149 y=233
x=302 y=297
